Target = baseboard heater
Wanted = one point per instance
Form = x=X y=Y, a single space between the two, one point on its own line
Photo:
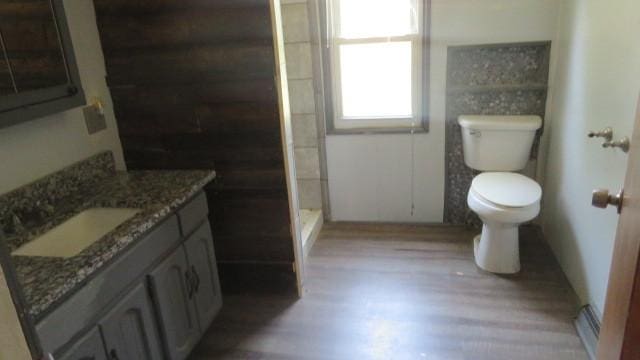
x=588 y=327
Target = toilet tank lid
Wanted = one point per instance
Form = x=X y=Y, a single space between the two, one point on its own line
x=500 y=122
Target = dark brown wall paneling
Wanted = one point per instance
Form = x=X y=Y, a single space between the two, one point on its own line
x=193 y=87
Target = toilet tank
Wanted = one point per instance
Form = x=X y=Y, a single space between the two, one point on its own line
x=498 y=143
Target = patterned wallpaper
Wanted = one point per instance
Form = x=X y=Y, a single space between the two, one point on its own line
x=495 y=79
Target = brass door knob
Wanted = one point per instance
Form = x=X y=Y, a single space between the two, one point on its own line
x=601 y=198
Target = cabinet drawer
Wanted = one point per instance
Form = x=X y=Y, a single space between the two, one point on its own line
x=192 y=214
x=82 y=308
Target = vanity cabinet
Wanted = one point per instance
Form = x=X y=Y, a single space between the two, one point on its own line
x=129 y=329
x=154 y=302
x=129 y=332
x=207 y=294
x=171 y=286
x=186 y=291
x=90 y=347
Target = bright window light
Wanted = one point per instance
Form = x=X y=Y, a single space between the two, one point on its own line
x=376 y=80
x=377 y=18
x=376 y=63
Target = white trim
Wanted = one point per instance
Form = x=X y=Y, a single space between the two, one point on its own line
x=588 y=327
x=340 y=122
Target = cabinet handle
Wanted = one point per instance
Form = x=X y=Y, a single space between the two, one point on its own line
x=114 y=355
x=188 y=280
x=196 y=277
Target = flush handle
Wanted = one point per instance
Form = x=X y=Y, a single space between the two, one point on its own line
x=602 y=198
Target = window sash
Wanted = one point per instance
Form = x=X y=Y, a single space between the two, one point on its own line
x=335 y=19
x=339 y=120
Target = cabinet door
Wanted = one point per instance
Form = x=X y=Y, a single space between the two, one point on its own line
x=129 y=329
x=90 y=347
x=172 y=293
x=202 y=259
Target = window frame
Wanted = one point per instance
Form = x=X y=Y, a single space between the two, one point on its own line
x=338 y=124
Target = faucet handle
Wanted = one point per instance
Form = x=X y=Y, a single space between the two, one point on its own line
x=623 y=144
x=606 y=133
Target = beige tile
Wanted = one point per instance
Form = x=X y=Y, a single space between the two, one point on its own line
x=295 y=23
x=307 y=163
x=309 y=194
x=302 y=97
x=304 y=130
x=298 y=57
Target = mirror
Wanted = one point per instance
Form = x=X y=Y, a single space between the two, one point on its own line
x=37 y=64
x=31 y=45
x=6 y=83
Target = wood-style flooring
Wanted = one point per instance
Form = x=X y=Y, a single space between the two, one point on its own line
x=404 y=292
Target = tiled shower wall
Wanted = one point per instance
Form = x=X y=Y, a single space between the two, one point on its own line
x=305 y=90
x=502 y=79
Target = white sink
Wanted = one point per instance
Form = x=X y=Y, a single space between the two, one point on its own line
x=76 y=234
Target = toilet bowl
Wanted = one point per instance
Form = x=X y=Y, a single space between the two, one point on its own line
x=503 y=201
x=502 y=198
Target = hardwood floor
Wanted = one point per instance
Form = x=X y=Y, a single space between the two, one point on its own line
x=404 y=292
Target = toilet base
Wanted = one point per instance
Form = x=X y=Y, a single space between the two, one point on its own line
x=497 y=249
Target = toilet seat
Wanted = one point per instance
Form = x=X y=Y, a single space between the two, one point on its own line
x=507 y=190
x=503 y=201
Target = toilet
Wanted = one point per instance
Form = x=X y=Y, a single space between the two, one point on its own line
x=503 y=199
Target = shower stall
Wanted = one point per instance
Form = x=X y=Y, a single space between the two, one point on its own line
x=304 y=72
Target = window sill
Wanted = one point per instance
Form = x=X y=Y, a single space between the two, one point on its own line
x=379 y=130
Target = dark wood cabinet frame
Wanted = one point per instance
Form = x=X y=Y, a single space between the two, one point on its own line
x=29 y=105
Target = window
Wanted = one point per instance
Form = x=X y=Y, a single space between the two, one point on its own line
x=375 y=50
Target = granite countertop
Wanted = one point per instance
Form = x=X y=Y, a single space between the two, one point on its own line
x=47 y=281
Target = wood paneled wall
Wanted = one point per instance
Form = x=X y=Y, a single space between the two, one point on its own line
x=193 y=87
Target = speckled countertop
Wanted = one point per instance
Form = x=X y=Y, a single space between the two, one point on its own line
x=47 y=281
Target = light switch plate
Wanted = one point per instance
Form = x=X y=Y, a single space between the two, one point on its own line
x=94 y=119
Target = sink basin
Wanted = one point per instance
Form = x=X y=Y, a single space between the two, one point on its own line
x=76 y=234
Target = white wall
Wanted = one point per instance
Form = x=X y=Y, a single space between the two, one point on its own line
x=12 y=342
x=370 y=175
x=597 y=80
x=31 y=150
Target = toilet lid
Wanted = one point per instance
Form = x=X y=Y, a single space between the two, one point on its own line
x=507 y=189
